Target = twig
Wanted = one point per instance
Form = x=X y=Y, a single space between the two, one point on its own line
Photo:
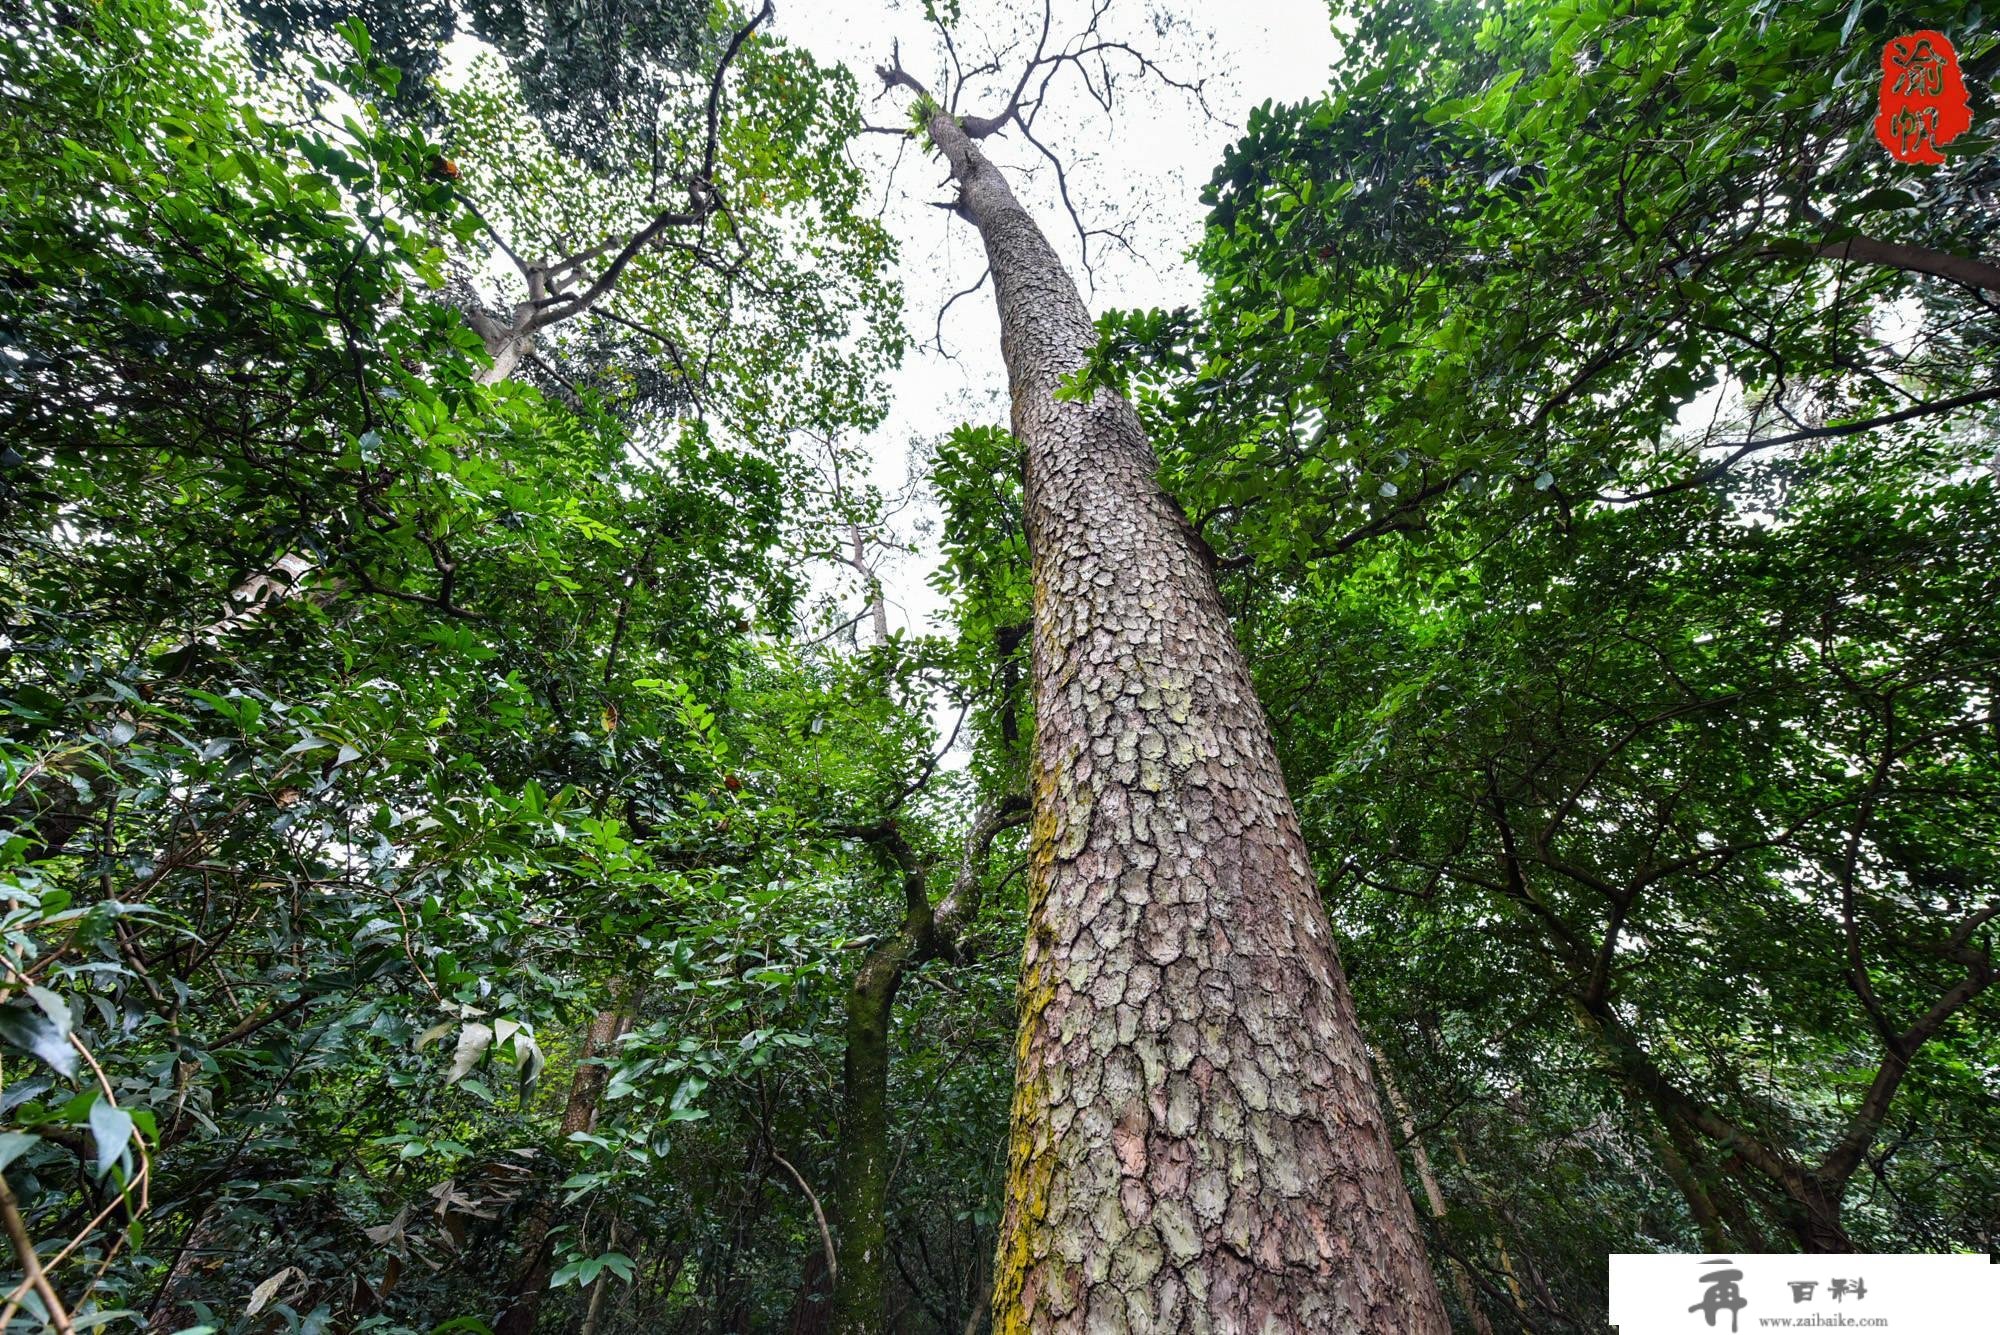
x=825 y=1233
x=1710 y=472
x=31 y=1266
x=938 y=340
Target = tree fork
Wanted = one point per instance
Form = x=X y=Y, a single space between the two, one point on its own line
x=927 y=932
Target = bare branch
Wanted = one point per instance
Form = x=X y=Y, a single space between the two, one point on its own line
x=937 y=340
x=819 y=1215
x=458 y=193
x=1710 y=472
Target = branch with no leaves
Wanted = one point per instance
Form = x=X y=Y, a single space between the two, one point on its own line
x=1711 y=471
x=549 y=302
x=819 y=1216
x=1096 y=59
x=937 y=339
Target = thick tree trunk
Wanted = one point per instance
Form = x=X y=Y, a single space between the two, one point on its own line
x=1815 y=1214
x=1196 y=1143
x=812 y=1310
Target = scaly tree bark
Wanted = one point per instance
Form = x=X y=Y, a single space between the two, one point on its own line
x=1197 y=1142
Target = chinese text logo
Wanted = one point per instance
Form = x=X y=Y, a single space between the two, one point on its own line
x=1725 y=1293
x=1923 y=104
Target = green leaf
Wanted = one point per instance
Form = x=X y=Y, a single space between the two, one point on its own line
x=32 y=1031
x=13 y=1144
x=111 y=1127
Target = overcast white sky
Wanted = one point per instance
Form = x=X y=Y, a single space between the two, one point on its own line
x=1140 y=166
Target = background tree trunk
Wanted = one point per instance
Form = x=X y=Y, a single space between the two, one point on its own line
x=1505 y=1257
x=1420 y=1158
x=1196 y=1142
x=862 y=1189
x=524 y=1304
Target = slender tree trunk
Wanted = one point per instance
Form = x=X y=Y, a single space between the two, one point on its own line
x=1468 y=1296
x=1737 y=1223
x=1196 y=1140
x=595 y=1309
x=982 y=1294
x=862 y=1187
x=524 y=1301
x=1701 y=1205
x=861 y=1210
x=1505 y=1257
x=878 y=606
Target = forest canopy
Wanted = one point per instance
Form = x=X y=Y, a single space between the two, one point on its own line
x=1470 y=747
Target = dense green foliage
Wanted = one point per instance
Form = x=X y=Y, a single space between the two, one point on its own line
x=1617 y=561
x=1616 y=543
x=371 y=728
x=585 y=70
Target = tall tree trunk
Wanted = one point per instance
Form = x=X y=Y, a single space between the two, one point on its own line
x=878 y=606
x=1814 y=1215
x=524 y=1300
x=1196 y=1139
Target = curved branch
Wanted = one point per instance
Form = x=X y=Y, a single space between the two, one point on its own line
x=1974 y=273
x=819 y=1215
x=1710 y=472
x=709 y=150
x=955 y=912
x=937 y=339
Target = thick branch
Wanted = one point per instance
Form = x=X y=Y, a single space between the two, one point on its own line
x=1974 y=273
x=960 y=905
x=1845 y=1156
